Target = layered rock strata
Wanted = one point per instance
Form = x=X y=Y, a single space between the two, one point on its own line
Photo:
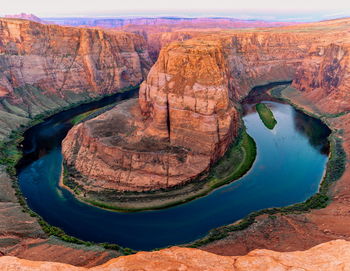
x=181 y=124
x=46 y=67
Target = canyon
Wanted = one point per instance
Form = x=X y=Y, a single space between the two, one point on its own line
x=185 y=118
x=187 y=113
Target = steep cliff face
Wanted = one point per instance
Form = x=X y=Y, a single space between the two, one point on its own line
x=325 y=77
x=190 y=106
x=45 y=67
x=328 y=256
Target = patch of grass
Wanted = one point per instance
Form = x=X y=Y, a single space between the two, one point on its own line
x=79 y=118
x=236 y=162
x=266 y=115
x=91 y=114
x=9 y=153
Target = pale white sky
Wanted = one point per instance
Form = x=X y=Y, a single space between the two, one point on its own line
x=248 y=8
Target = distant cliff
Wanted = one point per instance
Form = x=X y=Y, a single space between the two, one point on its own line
x=47 y=67
x=25 y=16
x=157 y=21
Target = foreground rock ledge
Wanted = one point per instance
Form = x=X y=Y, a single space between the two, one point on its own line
x=334 y=255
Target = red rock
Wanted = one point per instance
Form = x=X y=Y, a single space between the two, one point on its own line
x=328 y=256
x=52 y=66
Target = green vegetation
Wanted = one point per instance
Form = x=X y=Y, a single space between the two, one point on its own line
x=79 y=118
x=91 y=114
x=243 y=150
x=10 y=154
x=335 y=169
x=234 y=164
x=266 y=115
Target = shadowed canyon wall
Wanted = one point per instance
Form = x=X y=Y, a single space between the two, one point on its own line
x=47 y=67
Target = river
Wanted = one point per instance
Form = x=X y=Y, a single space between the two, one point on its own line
x=289 y=166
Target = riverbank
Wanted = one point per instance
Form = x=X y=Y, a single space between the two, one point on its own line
x=322 y=218
x=236 y=162
x=212 y=237
x=24 y=233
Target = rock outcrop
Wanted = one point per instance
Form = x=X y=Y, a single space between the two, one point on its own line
x=47 y=67
x=328 y=256
x=182 y=123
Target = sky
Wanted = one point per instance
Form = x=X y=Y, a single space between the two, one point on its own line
x=303 y=10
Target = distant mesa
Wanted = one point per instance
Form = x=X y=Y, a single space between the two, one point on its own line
x=25 y=16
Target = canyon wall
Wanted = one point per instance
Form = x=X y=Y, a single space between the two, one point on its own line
x=325 y=77
x=329 y=256
x=47 y=67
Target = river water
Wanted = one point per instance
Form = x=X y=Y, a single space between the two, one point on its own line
x=288 y=169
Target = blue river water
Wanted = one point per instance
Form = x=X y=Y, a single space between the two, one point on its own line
x=288 y=169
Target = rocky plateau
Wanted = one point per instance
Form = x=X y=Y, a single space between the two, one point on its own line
x=333 y=256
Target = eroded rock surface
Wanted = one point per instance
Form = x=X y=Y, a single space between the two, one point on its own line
x=328 y=256
x=47 y=67
x=182 y=123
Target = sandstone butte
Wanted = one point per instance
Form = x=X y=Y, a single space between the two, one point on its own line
x=186 y=115
x=324 y=55
x=331 y=256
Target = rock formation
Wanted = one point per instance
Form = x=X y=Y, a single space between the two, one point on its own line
x=181 y=124
x=47 y=67
x=325 y=77
x=328 y=256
